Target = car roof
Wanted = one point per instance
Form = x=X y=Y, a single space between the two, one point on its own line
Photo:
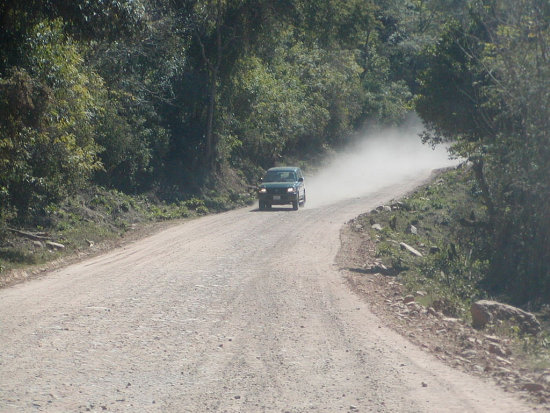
x=284 y=168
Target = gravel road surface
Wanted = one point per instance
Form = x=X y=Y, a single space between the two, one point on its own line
x=239 y=312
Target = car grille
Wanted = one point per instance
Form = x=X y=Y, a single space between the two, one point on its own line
x=277 y=191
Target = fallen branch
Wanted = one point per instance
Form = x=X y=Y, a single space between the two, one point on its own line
x=410 y=249
x=29 y=235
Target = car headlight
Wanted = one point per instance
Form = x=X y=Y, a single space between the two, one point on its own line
x=262 y=190
x=291 y=190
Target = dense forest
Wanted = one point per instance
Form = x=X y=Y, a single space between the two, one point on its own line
x=171 y=97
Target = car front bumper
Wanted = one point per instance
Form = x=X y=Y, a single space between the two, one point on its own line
x=277 y=199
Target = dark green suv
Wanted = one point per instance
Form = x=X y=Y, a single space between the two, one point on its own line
x=280 y=186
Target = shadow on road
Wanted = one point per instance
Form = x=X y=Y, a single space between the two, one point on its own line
x=272 y=209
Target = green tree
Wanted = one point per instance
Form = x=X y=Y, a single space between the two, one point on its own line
x=486 y=89
x=47 y=148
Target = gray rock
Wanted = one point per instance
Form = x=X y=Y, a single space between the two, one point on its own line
x=533 y=387
x=486 y=311
x=493 y=339
x=469 y=354
x=38 y=244
x=408 y=299
x=495 y=348
x=545 y=378
x=411 y=229
x=433 y=312
x=396 y=206
x=377 y=227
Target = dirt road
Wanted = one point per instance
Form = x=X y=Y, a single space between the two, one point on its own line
x=239 y=312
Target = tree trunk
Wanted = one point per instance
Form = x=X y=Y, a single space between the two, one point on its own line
x=485 y=192
x=211 y=138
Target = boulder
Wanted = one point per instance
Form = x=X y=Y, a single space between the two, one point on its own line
x=485 y=312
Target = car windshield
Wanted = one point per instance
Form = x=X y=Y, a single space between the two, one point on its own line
x=280 y=176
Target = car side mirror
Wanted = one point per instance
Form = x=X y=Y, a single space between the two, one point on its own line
x=260 y=180
x=300 y=179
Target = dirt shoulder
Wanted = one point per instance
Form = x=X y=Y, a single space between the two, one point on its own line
x=451 y=340
x=135 y=233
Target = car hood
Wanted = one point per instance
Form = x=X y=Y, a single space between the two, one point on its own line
x=278 y=184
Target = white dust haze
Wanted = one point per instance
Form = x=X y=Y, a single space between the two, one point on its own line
x=379 y=159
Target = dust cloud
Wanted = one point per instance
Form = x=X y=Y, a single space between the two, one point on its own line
x=379 y=159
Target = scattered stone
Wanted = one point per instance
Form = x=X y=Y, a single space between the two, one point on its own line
x=493 y=339
x=533 y=387
x=433 y=312
x=55 y=245
x=413 y=306
x=545 y=378
x=486 y=311
x=478 y=368
x=377 y=227
x=503 y=361
x=408 y=299
x=411 y=229
x=386 y=208
x=421 y=293
x=410 y=249
x=397 y=206
x=495 y=348
x=462 y=360
x=471 y=340
x=424 y=384
x=90 y=243
x=38 y=244
x=469 y=354
x=380 y=266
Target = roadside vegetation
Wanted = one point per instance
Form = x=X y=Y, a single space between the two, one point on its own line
x=434 y=242
x=84 y=222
